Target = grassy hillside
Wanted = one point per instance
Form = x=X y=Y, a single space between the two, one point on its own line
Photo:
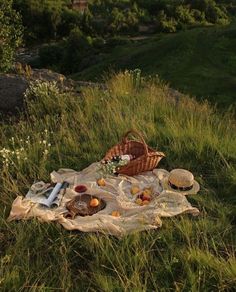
x=186 y=254
x=200 y=62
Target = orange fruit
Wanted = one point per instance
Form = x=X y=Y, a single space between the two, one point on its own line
x=146 y=197
x=139 y=202
x=147 y=192
x=115 y=214
x=101 y=182
x=134 y=190
x=94 y=203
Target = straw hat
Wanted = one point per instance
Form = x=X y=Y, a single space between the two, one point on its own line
x=182 y=181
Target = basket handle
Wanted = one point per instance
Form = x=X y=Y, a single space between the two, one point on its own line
x=125 y=139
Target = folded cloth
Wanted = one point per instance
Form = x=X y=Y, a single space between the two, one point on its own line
x=117 y=195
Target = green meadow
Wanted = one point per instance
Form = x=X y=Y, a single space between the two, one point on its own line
x=198 y=61
x=66 y=130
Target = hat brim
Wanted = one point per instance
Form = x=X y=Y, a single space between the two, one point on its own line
x=195 y=189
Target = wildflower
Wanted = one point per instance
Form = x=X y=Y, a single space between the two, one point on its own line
x=44 y=142
x=49 y=145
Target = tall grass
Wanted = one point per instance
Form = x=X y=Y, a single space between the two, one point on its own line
x=66 y=130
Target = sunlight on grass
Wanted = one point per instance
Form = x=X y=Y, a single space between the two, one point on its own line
x=70 y=131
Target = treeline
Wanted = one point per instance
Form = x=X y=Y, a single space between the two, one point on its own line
x=117 y=16
x=47 y=19
x=104 y=21
x=103 y=24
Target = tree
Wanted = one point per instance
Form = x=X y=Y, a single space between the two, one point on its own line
x=10 y=34
x=40 y=18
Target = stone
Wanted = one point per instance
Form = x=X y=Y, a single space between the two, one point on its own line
x=12 y=88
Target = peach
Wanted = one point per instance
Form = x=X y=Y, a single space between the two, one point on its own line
x=134 y=190
x=101 y=182
x=139 y=202
x=145 y=202
x=115 y=214
x=94 y=203
x=147 y=192
x=146 y=197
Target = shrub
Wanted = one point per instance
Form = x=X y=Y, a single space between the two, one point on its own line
x=51 y=55
x=10 y=34
x=77 y=47
x=215 y=15
x=184 y=15
x=70 y=19
x=40 y=18
x=166 y=24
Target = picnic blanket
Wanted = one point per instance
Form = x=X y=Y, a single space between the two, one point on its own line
x=117 y=195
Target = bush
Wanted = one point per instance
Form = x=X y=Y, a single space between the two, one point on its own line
x=77 y=47
x=40 y=18
x=10 y=34
x=70 y=19
x=198 y=15
x=215 y=15
x=166 y=24
x=51 y=55
x=184 y=15
x=98 y=43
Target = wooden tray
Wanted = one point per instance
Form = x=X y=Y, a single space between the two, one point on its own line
x=79 y=206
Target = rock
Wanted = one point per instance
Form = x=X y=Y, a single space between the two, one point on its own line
x=48 y=75
x=12 y=88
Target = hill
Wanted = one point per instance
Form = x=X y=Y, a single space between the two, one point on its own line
x=64 y=130
x=200 y=62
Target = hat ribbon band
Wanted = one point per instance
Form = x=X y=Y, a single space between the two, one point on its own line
x=180 y=188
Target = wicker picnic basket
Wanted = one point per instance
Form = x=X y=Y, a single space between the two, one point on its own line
x=146 y=158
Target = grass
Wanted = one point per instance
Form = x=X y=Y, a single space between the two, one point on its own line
x=186 y=254
x=200 y=62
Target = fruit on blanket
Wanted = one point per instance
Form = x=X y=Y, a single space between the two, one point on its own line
x=80 y=189
x=145 y=197
x=94 y=203
x=139 y=202
x=145 y=202
x=147 y=192
x=101 y=182
x=134 y=190
x=115 y=214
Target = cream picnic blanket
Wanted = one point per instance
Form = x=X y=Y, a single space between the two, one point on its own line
x=117 y=196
